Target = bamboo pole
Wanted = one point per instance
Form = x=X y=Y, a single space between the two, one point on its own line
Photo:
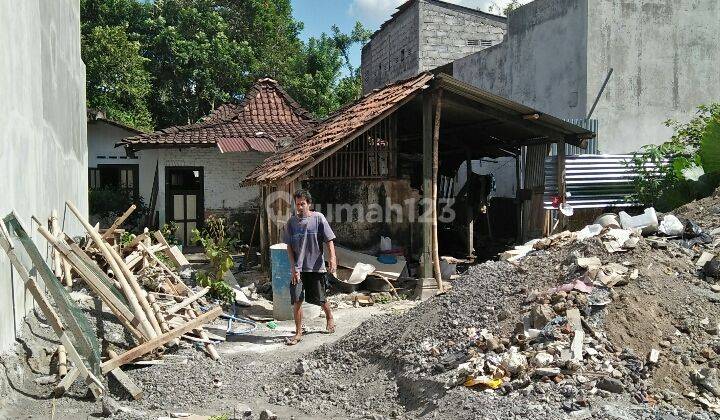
x=187 y=301
x=145 y=324
x=124 y=315
x=202 y=334
x=62 y=361
x=119 y=221
x=436 y=141
x=57 y=264
x=67 y=272
x=139 y=292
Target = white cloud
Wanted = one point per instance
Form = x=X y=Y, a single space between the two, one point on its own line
x=374 y=12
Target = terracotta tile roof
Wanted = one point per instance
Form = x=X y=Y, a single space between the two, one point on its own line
x=341 y=125
x=259 y=144
x=266 y=112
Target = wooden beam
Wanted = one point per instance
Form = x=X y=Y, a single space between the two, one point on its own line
x=151 y=345
x=561 y=180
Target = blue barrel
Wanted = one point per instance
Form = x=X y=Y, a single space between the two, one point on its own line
x=280 y=272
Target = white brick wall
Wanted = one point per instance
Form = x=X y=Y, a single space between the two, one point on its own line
x=223 y=173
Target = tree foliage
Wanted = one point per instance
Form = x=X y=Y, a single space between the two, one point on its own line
x=683 y=168
x=170 y=62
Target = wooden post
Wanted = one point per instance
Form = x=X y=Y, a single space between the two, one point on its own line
x=561 y=180
x=434 y=205
x=427 y=137
x=518 y=199
x=469 y=208
x=137 y=309
x=264 y=246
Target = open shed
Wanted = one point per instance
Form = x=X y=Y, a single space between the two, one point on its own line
x=385 y=164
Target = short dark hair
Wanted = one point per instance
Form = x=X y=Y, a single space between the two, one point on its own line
x=302 y=193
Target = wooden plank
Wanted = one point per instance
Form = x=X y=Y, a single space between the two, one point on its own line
x=124 y=380
x=151 y=345
x=66 y=382
x=119 y=221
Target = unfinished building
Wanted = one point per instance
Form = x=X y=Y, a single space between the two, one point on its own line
x=423 y=35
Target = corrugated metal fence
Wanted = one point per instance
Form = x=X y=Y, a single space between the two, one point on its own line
x=592 y=145
x=593 y=181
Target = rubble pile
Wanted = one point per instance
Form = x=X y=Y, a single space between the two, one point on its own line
x=571 y=325
x=143 y=294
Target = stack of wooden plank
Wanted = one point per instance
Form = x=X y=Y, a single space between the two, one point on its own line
x=136 y=283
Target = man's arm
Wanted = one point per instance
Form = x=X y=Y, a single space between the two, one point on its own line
x=294 y=275
x=332 y=266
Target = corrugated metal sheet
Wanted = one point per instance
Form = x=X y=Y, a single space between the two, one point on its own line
x=592 y=144
x=593 y=181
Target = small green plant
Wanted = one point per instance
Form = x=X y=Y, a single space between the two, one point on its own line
x=685 y=168
x=213 y=240
x=220 y=417
x=169 y=230
x=126 y=238
x=165 y=260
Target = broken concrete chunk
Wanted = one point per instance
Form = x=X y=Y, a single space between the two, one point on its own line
x=631 y=243
x=542 y=359
x=514 y=361
x=267 y=415
x=654 y=356
x=704 y=258
x=610 y=384
x=550 y=372
x=541 y=315
x=589 y=262
x=707 y=378
x=712 y=268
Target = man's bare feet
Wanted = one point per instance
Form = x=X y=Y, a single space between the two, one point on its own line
x=291 y=341
x=330 y=326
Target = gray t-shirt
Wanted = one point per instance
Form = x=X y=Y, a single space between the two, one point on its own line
x=306 y=236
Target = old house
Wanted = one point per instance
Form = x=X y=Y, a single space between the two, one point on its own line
x=197 y=168
x=376 y=167
x=423 y=35
x=111 y=167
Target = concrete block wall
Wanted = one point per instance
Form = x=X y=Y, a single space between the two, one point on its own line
x=426 y=35
x=43 y=148
x=393 y=52
x=448 y=32
x=223 y=173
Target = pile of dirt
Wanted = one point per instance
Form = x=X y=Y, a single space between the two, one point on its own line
x=416 y=363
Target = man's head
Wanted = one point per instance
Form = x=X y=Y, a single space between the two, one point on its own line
x=303 y=200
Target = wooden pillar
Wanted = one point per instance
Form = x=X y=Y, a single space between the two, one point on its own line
x=427 y=136
x=434 y=205
x=469 y=208
x=264 y=258
x=518 y=199
x=561 y=180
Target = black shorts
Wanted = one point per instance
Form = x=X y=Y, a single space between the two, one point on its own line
x=310 y=289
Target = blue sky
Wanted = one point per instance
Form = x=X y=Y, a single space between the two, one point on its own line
x=319 y=15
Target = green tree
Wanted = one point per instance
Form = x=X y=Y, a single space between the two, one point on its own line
x=117 y=81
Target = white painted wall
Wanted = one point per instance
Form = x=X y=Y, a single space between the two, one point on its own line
x=43 y=147
x=101 y=139
x=223 y=173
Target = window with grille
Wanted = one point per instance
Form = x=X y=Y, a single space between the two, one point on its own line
x=371 y=155
x=486 y=43
x=94 y=177
x=472 y=42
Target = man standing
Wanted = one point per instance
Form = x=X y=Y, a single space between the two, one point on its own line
x=305 y=234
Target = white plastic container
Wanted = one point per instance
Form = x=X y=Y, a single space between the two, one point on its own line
x=647 y=221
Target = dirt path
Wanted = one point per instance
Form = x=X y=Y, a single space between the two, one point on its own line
x=245 y=375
